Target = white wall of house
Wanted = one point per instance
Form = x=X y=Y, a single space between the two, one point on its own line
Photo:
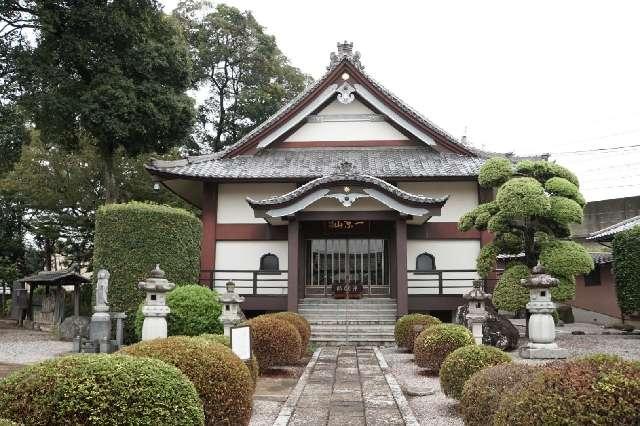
x=449 y=254
x=232 y=200
x=463 y=196
x=353 y=130
x=245 y=255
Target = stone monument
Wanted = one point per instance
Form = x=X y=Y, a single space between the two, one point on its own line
x=231 y=312
x=100 y=327
x=476 y=314
x=542 y=330
x=155 y=309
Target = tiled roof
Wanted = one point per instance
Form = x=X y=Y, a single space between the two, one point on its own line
x=602 y=257
x=307 y=163
x=608 y=233
x=347 y=175
x=65 y=276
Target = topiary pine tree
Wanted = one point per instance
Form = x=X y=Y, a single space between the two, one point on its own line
x=535 y=203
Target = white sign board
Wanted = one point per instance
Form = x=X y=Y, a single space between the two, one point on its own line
x=241 y=342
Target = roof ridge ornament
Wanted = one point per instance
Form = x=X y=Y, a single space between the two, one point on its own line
x=345 y=51
x=345 y=168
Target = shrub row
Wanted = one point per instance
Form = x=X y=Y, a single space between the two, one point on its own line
x=597 y=389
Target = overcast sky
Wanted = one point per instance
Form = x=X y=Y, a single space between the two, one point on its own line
x=528 y=77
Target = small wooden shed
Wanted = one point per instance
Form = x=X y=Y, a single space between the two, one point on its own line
x=48 y=279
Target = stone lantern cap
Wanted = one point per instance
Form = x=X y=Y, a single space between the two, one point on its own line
x=156 y=282
x=477 y=293
x=231 y=296
x=539 y=279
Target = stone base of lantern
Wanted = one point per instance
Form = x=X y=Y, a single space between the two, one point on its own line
x=543 y=351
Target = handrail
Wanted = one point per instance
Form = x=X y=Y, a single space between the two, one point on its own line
x=209 y=275
x=438 y=276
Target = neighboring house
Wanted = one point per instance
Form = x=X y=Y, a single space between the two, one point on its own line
x=344 y=188
x=596 y=299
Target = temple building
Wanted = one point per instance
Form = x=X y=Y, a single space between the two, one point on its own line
x=345 y=192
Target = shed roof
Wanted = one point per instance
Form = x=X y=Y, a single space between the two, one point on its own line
x=609 y=232
x=62 y=277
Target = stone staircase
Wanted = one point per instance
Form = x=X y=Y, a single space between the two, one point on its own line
x=363 y=322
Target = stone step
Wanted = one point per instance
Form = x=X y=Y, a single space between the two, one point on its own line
x=324 y=300
x=342 y=336
x=314 y=311
x=352 y=322
x=363 y=316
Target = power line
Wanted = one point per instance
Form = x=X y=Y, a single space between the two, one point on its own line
x=597 y=149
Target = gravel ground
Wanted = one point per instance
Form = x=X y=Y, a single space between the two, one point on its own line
x=436 y=409
x=432 y=410
x=20 y=346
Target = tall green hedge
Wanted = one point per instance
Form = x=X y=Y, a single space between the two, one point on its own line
x=626 y=262
x=130 y=239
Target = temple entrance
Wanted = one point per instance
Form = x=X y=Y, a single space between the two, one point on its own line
x=347 y=267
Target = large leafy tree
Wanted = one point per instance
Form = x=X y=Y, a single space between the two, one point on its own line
x=245 y=76
x=535 y=203
x=115 y=72
x=60 y=190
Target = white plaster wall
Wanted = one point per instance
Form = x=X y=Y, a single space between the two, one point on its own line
x=245 y=255
x=463 y=196
x=232 y=200
x=346 y=130
x=355 y=107
x=362 y=204
x=449 y=254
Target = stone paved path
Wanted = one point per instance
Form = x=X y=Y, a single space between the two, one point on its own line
x=346 y=387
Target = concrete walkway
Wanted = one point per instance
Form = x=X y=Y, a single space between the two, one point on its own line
x=346 y=385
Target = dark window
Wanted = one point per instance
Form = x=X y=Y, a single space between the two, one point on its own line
x=425 y=262
x=269 y=262
x=593 y=277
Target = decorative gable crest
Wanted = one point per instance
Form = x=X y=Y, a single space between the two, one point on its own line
x=345 y=168
x=345 y=50
x=346 y=93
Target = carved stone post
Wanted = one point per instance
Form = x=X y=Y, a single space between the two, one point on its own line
x=477 y=314
x=100 y=327
x=542 y=330
x=155 y=310
x=231 y=312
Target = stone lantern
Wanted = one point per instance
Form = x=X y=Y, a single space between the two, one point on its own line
x=231 y=312
x=155 y=309
x=477 y=314
x=542 y=329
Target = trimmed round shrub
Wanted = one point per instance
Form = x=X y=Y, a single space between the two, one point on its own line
x=464 y=362
x=274 y=341
x=100 y=389
x=595 y=390
x=404 y=331
x=522 y=197
x=195 y=310
x=564 y=210
x=130 y=239
x=4 y=422
x=436 y=342
x=564 y=188
x=486 y=260
x=222 y=380
x=481 y=394
x=565 y=258
x=510 y=294
x=224 y=340
x=301 y=324
x=495 y=171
